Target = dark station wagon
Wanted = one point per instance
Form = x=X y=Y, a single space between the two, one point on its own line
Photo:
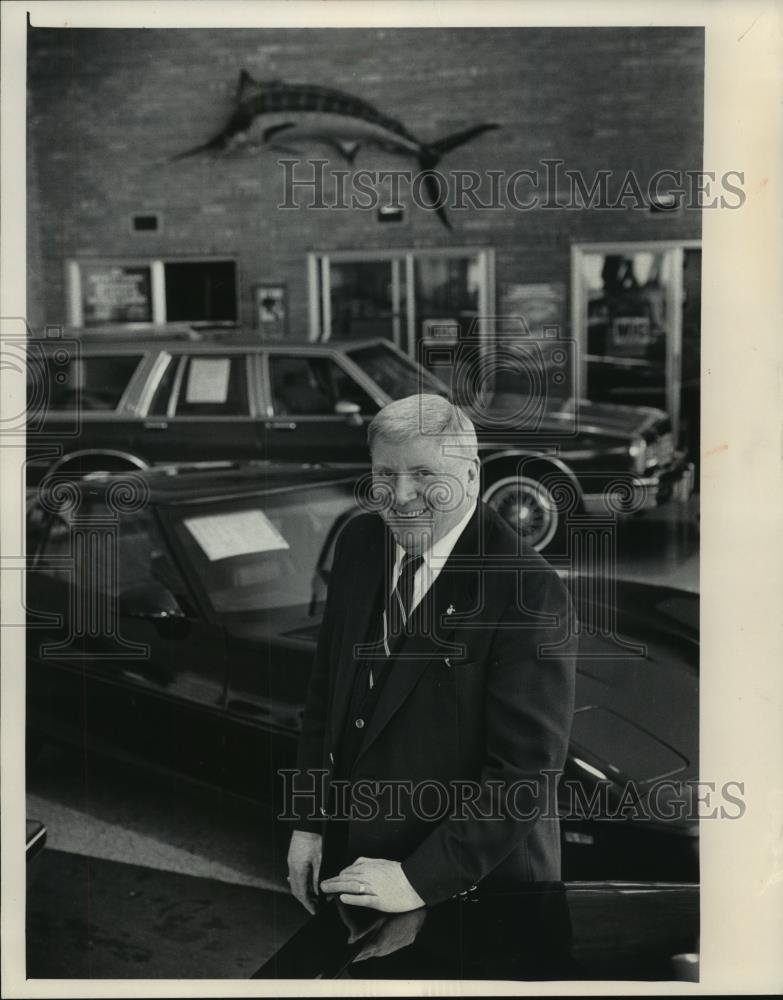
x=108 y=405
x=172 y=620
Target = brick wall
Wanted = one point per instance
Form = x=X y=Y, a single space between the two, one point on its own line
x=108 y=108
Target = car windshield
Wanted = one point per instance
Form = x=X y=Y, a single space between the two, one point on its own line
x=261 y=553
x=396 y=376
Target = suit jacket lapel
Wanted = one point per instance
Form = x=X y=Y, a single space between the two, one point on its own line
x=431 y=631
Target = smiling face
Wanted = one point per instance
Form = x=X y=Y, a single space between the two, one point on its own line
x=427 y=492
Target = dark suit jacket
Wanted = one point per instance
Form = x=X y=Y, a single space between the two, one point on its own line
x=476 y=698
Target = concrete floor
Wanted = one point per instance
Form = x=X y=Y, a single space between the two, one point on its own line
x=117 y=812
x=89 y=918
x=129 y=822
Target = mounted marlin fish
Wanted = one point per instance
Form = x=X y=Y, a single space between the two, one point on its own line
x=331 y=117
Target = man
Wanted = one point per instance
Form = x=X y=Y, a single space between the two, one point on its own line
x=442 y=689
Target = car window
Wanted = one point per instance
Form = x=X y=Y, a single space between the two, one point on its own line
x=134 y=556
x=304 y=386
x=87 y=383
x=397 y=377
x=213 y=386
x=263 y=553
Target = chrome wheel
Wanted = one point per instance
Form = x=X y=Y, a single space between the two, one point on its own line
x=527 y=506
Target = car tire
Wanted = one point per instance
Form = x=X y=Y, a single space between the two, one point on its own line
x=529 y=507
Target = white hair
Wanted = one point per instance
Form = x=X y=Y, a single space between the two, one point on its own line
x=428 y=416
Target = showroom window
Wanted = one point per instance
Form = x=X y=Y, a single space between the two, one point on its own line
x=636 y=316
x=201 y=291
x=404 y=296
x=139 y=293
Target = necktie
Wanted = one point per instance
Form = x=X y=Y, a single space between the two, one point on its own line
x=398 y=605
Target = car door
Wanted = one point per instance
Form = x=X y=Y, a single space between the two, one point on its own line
x=316 y=410
x=201 y=410
x=80 y=399
x=120 y=657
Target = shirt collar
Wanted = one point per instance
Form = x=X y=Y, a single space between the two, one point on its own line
x=437 y=554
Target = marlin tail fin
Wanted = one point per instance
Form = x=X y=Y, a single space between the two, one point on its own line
x=430 y=156
x=217 y=143
x=449 y=142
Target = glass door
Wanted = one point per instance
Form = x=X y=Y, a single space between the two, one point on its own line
x=406 y=297
x=630 y=309
x=366 y=298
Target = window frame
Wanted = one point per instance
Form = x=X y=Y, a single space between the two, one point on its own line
x=319 y=287
x=579 y=297
x=157 y=265
x=182 y=360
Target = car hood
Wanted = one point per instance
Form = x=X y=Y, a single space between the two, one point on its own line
x=607 y=418
x=636 y=709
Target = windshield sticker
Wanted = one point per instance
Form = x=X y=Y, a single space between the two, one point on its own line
x=208 y=380
x=238 y=533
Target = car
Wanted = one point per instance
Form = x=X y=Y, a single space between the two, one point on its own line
x=35 y=842
x=111 y=404
x=172 y=619
x=546 y=931
x=35 y=839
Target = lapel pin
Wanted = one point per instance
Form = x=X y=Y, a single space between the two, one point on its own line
x=450 y=609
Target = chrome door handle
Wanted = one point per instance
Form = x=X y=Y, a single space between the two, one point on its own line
x=283 y=425
x=156 y=425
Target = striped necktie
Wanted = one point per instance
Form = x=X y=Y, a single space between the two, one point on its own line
x=398 y=605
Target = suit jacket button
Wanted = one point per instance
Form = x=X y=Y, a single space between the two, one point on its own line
x=359 y=723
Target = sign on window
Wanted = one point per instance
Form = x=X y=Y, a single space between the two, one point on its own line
x=208 y=380
x=238 y=533
x=113 y=293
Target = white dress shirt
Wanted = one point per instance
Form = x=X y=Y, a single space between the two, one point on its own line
x=433 y=562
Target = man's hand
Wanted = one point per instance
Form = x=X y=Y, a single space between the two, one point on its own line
x=304 y=867
x=376 y=883
x=397 y=932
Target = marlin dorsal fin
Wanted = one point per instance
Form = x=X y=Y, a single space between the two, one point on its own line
x=244 y=83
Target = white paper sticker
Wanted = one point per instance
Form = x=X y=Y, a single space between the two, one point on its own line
x=238 y=533
x=208 y=380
